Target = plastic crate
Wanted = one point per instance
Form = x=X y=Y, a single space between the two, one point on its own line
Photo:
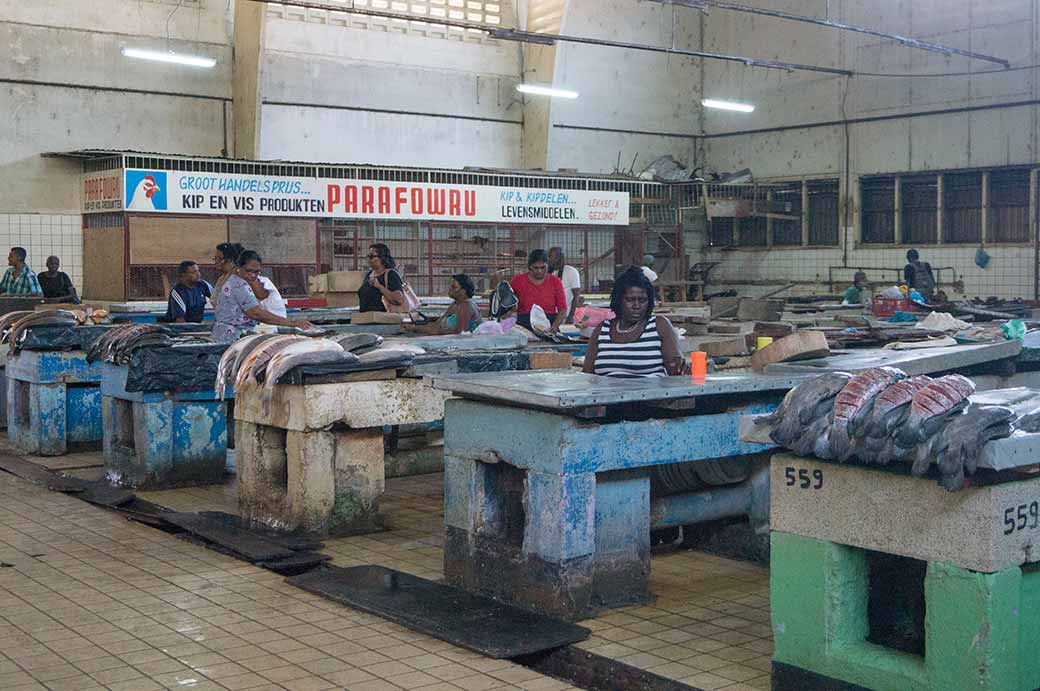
x=886 y=307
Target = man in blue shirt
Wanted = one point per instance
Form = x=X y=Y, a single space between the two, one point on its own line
x=188 y=298
x=19 y=279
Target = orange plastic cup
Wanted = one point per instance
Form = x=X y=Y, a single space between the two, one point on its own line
x=698 y=364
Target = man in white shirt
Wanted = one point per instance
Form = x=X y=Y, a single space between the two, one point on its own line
x=571 y=281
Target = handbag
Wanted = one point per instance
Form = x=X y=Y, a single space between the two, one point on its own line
x=411 y=300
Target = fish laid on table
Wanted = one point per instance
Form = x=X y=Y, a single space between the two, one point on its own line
x=354 y=343
x=233 y=357
x=256 y=362
x=154 y=335
x=42 y=318
x=804 y=405
x=8 y=320
x=313 y=351
x=1029 y=422
x=389 y=356
x=853 y=406
x=957 y=447
x=930 y=408
x=890 y=410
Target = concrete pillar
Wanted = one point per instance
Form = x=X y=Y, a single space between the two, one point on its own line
x=360 y=478
x=247 y=78
x=311 y=485
x=622 y=533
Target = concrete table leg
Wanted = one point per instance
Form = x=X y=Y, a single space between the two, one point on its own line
x=47 y=420
x=262 y=471
x=311 y=484
x=975 y=631
x=360 y=479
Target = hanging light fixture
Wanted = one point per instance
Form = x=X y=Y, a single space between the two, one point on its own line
x=728 y=105
x=170 y=57
x=540 y=90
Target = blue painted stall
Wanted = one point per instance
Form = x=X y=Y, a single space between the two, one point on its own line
x=167 y=438
x=53 y=400
x=547 y=479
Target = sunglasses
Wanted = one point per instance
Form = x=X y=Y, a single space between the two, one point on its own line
x=373 y=256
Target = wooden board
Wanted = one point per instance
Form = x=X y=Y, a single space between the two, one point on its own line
x=171 y=239
x=726 y=348
x=760 y=310
x=103 y=269
x=802 y=345
x=278 y=240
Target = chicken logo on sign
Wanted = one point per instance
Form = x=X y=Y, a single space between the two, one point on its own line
x=146 y=190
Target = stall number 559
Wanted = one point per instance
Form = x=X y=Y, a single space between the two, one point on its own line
x=803 y=478
x=1021 y=517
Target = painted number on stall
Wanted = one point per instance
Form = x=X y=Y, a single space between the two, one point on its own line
x=1021 y=517
x=803 y=478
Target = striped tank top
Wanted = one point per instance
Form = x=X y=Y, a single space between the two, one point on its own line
x=640 y=358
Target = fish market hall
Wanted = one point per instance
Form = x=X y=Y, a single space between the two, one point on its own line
x=492 y=344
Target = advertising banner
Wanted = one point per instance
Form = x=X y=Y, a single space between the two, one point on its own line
x=227 y=194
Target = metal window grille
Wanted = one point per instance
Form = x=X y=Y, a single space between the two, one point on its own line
x=493 y=13
x=919 y=209
x=878 y=204
x=753 y=231
x=787 y=200
x=962 y=208
x=1008 y=206
x=824 y=217
x=720 y=233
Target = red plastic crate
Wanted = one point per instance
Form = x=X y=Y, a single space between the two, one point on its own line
x=886 y=307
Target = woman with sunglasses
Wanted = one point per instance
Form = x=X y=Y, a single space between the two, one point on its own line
x=382 y=282
x=238 y=310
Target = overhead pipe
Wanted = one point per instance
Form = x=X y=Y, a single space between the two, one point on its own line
x=905 y=40
x=547 y=39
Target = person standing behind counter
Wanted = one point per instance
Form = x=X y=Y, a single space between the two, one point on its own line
x=19 y=279
x=187 y=301
x=382 y=282
x=56 y=284
x=570 y=278
x=539 y=287
x=238 y=310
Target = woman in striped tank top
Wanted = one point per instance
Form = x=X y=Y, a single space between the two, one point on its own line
x=635 y=344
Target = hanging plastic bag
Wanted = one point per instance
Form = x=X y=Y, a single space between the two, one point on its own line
x=539 y=321
x=981 y=258
x=591 y=317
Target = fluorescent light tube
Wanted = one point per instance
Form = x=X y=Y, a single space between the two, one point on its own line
x=728 y=105
x=546 y=91
x=175 y=58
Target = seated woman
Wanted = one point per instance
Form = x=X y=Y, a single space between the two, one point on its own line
x=635 y=343
x=461 y=316
x=238 y=310
x=539 y=287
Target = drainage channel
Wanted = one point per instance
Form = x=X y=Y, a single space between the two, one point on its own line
x=514 y=633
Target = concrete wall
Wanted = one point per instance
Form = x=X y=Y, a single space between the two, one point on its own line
x=336 y=92
x=633 y=105
x=992 y=135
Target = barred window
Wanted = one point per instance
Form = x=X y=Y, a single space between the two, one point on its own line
x=919 y=209
x=787 y=201
x=1008 y=206
x=824 y=203
x=877 y=209
x=962 y=208
x=493 y=13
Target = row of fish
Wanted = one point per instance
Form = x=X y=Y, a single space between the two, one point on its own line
x=881 y=415
x=14 y=324
x=266 y=358
x=118 y=343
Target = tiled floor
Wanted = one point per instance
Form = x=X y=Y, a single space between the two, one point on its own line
x=708 y=625
x=89 y=600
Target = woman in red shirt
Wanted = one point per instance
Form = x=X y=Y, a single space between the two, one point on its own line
x=539 y=287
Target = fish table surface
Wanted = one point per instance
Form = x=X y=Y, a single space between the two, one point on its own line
x=566 y=390
x=912 y=362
